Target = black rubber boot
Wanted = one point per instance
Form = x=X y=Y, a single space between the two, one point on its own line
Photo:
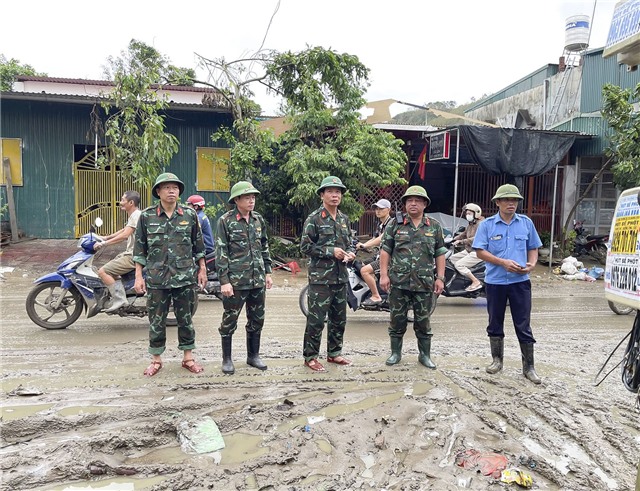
x=396 y=352
x=497 y=353
x=424 y=347
x=527 y=363
x=253 y=350
x=227 y=361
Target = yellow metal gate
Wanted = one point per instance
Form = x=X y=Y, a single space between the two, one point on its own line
x=98 y=193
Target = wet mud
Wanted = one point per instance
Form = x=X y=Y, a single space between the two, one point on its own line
x=76 y=410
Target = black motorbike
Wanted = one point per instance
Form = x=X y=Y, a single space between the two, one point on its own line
x=455 y=284
x=594 y=246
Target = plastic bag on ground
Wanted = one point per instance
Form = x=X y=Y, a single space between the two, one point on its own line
x=596 y=272
x=199 y=436
x=568 y=268
x=490 y=464
x=514 y=475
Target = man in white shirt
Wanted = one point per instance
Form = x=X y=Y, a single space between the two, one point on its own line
x=123 y=262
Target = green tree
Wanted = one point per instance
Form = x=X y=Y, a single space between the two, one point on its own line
x=135 y=125
x=624 y=141
x=11 y=69
x=323 y=92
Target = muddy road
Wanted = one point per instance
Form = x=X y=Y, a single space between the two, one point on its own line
x=76 y=410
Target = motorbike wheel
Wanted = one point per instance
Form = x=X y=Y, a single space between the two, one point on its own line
x=39 y=308
x=171 y=318
x=600 y=253
x=304 y=300
x=620 y=308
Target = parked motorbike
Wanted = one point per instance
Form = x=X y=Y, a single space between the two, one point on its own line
x=594 y=246
x=58 y=299
x=357 y=292
x=456 y=283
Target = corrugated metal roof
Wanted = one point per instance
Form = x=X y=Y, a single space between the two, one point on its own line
x=92 y=99
x=109 y=83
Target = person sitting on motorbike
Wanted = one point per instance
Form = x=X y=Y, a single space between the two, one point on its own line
x=369 y=271
x=123 y=262
x=197 y=202
x=467 y=258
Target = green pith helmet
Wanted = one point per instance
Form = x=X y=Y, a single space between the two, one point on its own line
x=416 y=191
x=331 y=182
x=241 y=188
x=167 y=177
x=507 y=191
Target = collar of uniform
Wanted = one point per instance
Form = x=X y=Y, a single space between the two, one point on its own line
x=499 y=218
x=239 y=216
x=324 y=213
x=160 y=210
x=426 y=220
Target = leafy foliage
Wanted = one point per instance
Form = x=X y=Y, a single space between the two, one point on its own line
x=323 y=93
x=135 y=127
x=11 y=69
x=619 y=112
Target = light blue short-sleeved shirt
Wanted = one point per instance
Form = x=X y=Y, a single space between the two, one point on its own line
x=506 y=241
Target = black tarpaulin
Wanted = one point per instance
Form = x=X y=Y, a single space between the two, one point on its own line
x=515 y=152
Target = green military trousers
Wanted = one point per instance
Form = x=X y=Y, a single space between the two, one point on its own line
x=158 y=303
x=400 y=301
x=254 y=300
x=330 y=302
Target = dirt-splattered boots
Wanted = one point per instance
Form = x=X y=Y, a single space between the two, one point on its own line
x=527 y=363
x=396 y=352
x=253 y=350
x=424 y=357
x=497 y=353
x=227 y=361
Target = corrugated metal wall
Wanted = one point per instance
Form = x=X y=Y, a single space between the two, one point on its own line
x=49 y=131
x=599 y=71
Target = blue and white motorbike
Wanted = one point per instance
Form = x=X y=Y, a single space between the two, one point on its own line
x=58 y=299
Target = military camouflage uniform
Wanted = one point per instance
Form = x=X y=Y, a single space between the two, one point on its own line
x=169 y=248
x=242 y=259
x=413 y=251
x=328 y=279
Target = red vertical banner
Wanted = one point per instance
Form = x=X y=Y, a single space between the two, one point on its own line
x=422 y=165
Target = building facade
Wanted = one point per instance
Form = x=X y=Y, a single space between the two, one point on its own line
x=48 y=133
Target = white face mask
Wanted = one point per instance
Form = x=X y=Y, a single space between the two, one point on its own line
x=470 y=217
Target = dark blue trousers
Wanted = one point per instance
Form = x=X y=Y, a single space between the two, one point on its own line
x=519 y=297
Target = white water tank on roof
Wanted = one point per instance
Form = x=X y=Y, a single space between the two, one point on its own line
x=577 y=33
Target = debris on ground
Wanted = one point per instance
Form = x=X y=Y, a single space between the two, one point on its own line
x=199 y=435
x=25 y=391
x=572 y=269
x=489 y=463
x=515 y=475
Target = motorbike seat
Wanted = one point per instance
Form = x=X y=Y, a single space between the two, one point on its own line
x=598 y=237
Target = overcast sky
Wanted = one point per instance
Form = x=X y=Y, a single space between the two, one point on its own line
x=418 y=51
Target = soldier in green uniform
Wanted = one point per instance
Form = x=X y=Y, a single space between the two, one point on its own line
x=168 y=239
x=326 y=239
x=407 y=256
x=244 y=269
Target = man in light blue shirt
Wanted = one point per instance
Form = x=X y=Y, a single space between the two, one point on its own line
x=508 y=243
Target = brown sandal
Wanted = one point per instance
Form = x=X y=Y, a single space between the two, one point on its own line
x=152 y=369
x=338 y=360
x=315 y=365
x=192 y=366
